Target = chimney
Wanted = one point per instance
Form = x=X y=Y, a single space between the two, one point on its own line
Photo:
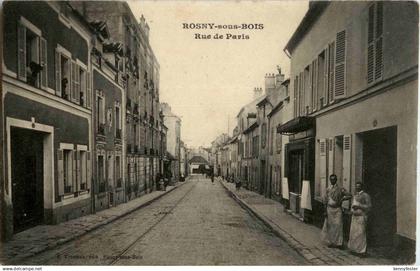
x=257 y=92
x=270 y=83
x=279 y=76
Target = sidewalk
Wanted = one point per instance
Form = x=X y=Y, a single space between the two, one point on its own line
x=304 y=238
x=43 y=237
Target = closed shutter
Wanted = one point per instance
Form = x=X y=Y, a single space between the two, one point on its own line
x=308 y=81
x=21 y=52
x=326 y=73
x=73 y=85
x=88 y=171
x=295 y=95
x=60 y=173
x=74 y=171
x=330 y=156
x=315 y=85
x=340 y=66
x=375 y=43
x=331 y=59
x=88 y=90
x=347 y=146
x=58 y=73
x=379 y=41
x=78 y=171
x=43 y=62
x=77 y=83
x=322 y=168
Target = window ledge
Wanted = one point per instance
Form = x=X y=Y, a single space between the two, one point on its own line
x=68 y=196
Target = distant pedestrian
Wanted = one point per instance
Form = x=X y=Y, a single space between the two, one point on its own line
x=332 y=231
x=238 y=183
x=360 y=208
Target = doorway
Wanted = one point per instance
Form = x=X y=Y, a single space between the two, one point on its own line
x=379 y=177
x=27 y=174
x=296 y=171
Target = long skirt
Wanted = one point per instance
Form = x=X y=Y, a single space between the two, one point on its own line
x=357 y=238
x=332 y=231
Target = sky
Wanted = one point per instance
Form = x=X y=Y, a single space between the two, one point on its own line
x=207 y=81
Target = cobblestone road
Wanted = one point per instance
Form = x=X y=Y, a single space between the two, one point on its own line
x=197 y=224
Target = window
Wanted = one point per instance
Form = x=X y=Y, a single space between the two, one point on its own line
x=82 y=87
x=100 y=112
x=375 y=43
x=117 y=120
x=271 y=140
x=101 y=173
x=321 y=93
x=263 y=135
x=68 y=171
x=32 y=55
x=118 y=171
x=82 y=169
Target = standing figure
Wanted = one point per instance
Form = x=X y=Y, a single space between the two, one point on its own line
x=238 y=183
x=332 y=231
x=360 y=207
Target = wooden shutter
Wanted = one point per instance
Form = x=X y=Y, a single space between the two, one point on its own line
x=58 y=73
x=323 y=167
x=74 y=170
x=21 y=52
x=43 y=62
x=326 y=73
x=88 y=91
x=315 y=85
x=331 y=59
x=309 y=91
x=379 y=40
x=88 y=171
x=340 y=66
x=330 y=156
x=78 y=170
x=77 y=83
x=347 y=146
x=73 y=85
x=60 y=173
x=295 y=97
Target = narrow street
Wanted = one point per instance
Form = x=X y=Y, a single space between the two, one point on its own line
x=196 y=224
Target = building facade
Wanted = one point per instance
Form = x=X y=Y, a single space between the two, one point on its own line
x=354 y=80
x=45 y=108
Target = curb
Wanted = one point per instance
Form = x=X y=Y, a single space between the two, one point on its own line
x=90 y=229
x=300 y=248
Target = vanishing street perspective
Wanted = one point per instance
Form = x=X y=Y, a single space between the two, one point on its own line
x=111 y=156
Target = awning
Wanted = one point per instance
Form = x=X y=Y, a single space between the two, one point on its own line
x=296 y=125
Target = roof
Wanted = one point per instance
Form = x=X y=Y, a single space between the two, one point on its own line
x=252 y=103
x=198 y=160
x=316 y=8
x=263 y=101
x=296 y=125
x=251 y=128
x=275 y=109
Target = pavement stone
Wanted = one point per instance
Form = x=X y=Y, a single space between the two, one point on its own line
x=45 y=237
x=304 y=238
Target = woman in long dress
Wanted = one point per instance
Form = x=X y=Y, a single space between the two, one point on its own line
x=360 y=207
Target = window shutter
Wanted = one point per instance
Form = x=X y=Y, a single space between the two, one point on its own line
x=77 y=83
x=78 y=171
x=308 y=81
x=330 y=156
x=74 y=171
x=60 y=173
x=58 y=73
x=21 y=52
x=43 y=62
x=73 y=85
x=379 y=19
x=326 y=73
x=378 y=59
x=347 y=146
x=340 y=66
x=295 y=95
x=88 y=171
x=88 y=91
x=314 y=85
x=331 y=72
x=322 y=167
